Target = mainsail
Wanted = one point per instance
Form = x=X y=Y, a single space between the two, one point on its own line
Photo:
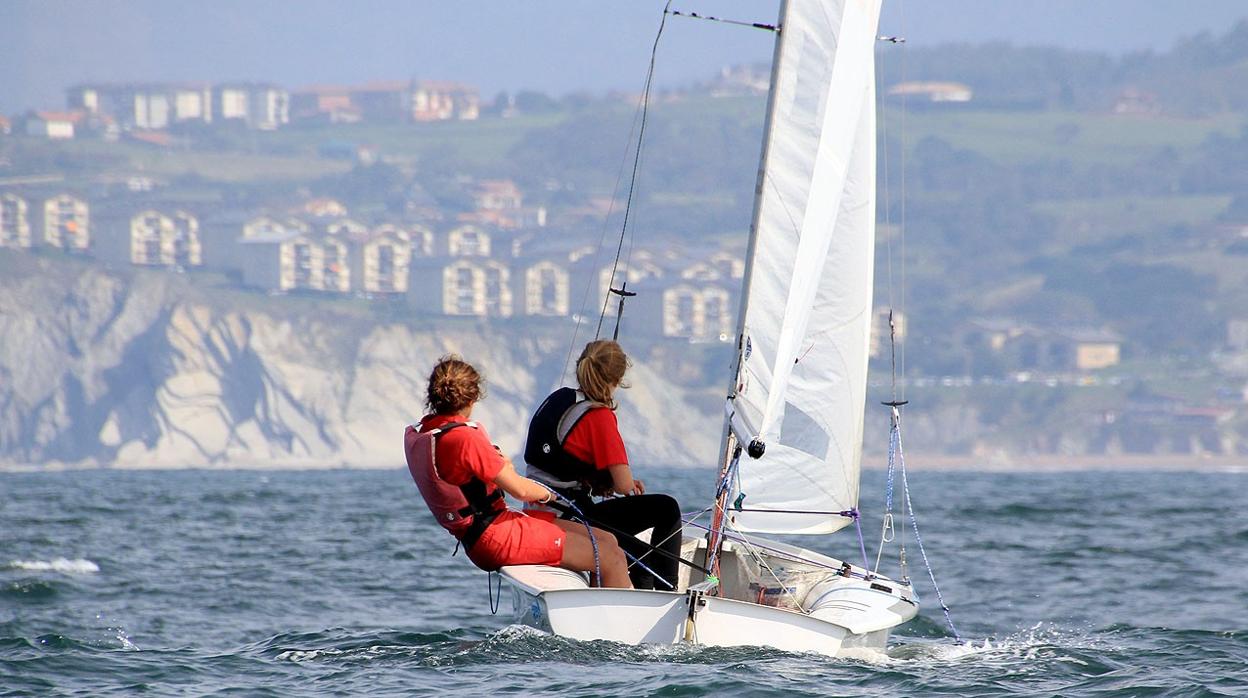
x=806 y=309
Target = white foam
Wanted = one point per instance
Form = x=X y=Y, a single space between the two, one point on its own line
x=1037 y=641
x=306 y=655
x=63 y=565
x=867 y=655
x=515 y=631
x=124 y=638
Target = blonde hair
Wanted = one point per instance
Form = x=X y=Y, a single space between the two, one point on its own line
x=453 y=385
x=600 y=369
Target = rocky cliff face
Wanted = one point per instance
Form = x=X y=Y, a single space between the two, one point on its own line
x=144 y=369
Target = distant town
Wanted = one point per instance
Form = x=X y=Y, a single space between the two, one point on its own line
x=424 y=196
x=488 y=261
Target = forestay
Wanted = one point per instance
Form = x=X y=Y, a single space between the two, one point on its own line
x=801 y=383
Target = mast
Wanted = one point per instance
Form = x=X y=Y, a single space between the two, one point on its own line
x=730 y=451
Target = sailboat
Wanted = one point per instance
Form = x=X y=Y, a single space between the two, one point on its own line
x=792 y=440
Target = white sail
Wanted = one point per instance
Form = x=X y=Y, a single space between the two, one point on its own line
x=801 y=384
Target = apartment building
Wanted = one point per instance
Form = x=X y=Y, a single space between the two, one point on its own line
x=63 y=221
x=14 y=221
x=149 y=237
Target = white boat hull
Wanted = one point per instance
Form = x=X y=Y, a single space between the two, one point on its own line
x=842 y=612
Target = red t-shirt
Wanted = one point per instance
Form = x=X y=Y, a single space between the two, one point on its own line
x=464 y=453
x=596 y=439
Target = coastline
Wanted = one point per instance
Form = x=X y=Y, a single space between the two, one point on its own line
x=1045 y=463
x=1054 y=463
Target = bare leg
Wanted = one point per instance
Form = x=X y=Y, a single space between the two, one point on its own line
x=578 y=554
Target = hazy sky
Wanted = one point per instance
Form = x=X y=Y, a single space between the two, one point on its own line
x=552 y=45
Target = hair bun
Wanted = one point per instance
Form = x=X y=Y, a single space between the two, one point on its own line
x=453 y=385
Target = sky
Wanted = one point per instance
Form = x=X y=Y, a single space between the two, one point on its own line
x=556 y=46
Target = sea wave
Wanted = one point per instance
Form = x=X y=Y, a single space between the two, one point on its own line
x=60 y=564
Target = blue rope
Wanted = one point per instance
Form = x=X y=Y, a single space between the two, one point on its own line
x=593 y=542
x=914 y=525
x=886 y=525
x=725 y=483
x=861 y=544
x=494 y=597
x=712 y=556
x=894 y=445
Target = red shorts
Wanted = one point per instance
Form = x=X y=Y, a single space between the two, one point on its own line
x=517 y=539
x=544 y=513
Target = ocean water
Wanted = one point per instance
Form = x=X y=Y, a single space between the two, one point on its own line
x=338 y=583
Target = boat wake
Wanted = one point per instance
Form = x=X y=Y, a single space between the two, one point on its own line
x=511 y=644
x=1044 y=653
x=1040 y=642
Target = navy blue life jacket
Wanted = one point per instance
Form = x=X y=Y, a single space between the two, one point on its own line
x=548 y=431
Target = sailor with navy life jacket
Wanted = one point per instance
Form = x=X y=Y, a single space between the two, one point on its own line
x=462 y=477
x=574 y=446
x=549 y=462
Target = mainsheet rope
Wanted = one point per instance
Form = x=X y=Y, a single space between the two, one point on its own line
x=580 y=515
x=593 y=542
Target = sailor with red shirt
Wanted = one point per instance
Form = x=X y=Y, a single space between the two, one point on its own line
x=465 y=458
x=574 y=446
x=462 y=476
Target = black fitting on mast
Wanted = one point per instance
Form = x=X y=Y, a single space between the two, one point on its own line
x=624 y=294
x=756 y=449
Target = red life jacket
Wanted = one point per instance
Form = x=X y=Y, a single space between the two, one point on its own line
x=464 y=510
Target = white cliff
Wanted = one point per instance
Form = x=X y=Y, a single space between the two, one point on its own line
x=149 y=370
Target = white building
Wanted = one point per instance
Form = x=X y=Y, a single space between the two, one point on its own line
x=258 y=105
x=293 y=260
x=381 y=261
x=14 y=221
x=63 y=221
x=547 y=288
x=149 y=238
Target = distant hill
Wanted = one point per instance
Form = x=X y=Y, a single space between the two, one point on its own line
x=1203 y=74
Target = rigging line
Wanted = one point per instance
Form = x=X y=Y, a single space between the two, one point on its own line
x=904 y=108
x=645 y=568
x=652 y=547
x=887 y=534
x=793 y=557
x=848 y=513
x=591 y=283
x=695 y=515
x=737 y=22
x=914 y=527
x=888 y=204
x=632 y=182
x=762 y=563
